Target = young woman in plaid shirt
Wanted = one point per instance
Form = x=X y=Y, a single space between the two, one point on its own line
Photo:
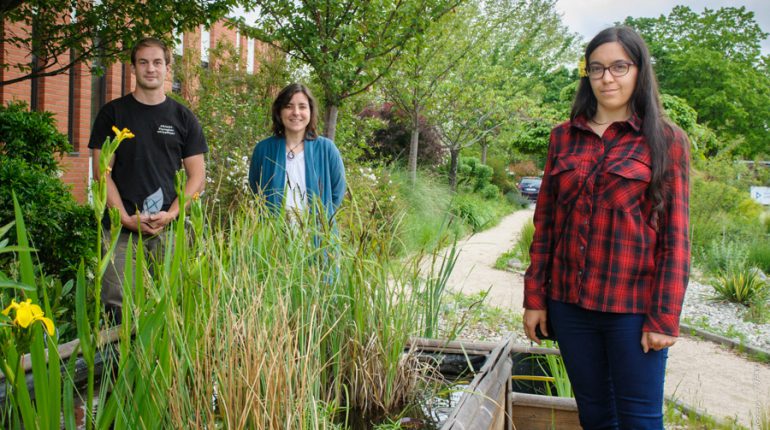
x=611 y=253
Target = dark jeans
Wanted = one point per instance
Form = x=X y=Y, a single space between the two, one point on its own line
x=617 y=385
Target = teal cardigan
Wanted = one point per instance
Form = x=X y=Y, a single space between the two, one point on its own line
x=324 y=172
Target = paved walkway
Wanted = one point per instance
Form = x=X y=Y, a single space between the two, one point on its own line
x=700 y=374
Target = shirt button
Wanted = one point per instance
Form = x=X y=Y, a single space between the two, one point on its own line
x=585 y=222
x=582 y=248
x=580 y=273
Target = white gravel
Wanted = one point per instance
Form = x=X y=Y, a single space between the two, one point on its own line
x=723 y=318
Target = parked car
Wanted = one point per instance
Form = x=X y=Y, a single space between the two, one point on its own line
x=529 y=187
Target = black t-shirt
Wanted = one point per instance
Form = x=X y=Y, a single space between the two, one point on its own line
x=164 y=135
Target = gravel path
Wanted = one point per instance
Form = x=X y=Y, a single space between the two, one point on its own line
x=700 y=374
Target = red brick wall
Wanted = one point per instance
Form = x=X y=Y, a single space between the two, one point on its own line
x=54 y=95
x=12 y=56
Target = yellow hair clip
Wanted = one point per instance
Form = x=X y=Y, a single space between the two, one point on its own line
x=582 y=68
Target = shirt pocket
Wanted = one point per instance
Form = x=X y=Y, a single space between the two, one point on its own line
x=625 y=183
x=567 y=176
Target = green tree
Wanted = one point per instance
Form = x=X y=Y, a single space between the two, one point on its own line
x=349 y=45
x=713 y=61
x=237 y=109
x=428 y=59
x=65 y=32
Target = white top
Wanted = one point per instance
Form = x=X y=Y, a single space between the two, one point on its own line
x=296 y=187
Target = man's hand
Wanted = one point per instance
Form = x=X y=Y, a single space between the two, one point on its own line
x=148 y=225
x=656 y=341
x=532 y=319
x=158 y=221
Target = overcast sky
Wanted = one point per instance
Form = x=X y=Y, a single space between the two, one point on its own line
x=588 y=17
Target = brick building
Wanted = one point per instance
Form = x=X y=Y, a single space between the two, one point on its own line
x=76 y=96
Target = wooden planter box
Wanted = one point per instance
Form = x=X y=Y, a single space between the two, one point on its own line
x=492 y=401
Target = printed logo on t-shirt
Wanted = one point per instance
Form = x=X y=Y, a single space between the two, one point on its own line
x=166 y=129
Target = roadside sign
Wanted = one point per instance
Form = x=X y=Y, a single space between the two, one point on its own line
x=761 y=195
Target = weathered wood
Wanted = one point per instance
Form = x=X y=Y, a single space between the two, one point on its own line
x=550 y=402
x=484 y=403
x=533 y=412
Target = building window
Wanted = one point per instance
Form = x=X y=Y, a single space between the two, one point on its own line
x=250 y=57
x=205 y=44
x=178 y=43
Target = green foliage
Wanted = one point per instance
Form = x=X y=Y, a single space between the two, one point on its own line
x=235 y=112
x=471 y=209
x=62 y=229
x=532 y=137
x=425 y=211
x=520 y=250
x=31 y=136
x=759 y=255
x=500 y=176
x=472 y=175
x=724 y=45
x=490 y=191
x=515 y=198
x=472 y=316
x=680 y=112
x=349 y=45
x=721 y=254
x=741 y=285
x=718 y=210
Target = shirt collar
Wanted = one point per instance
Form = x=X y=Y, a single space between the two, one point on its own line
x=633 y=121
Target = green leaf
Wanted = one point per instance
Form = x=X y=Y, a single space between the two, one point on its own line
x=26 y=268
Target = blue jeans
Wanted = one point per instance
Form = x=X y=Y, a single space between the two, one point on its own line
x=617 y=385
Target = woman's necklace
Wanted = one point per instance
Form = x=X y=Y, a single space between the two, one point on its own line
x=599 y=123
x=290 y=154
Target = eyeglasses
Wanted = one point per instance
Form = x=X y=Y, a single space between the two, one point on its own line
x=596 y=71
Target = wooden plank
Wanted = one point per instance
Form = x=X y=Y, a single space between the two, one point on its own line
x=534 y=412
x=484 y=403
x=551 y=402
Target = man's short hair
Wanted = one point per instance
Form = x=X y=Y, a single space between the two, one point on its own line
x=149 y=42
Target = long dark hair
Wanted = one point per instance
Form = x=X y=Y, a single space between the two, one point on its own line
x=283 y=98
x=644 y=102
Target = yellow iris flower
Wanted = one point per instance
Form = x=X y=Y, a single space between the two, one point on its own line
x=27 y=313
x=582 y=72
x=120 y=135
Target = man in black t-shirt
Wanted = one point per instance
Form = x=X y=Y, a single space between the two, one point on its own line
x=141 y=182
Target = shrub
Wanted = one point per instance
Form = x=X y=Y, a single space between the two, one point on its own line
x=741 y=285
x=63 y=230
x=234 y=110
x=720 y=210
x=759 y=255
x=490 y=191
x=515 y=198
x=472 y=175
x=473 y=211
x=391 y=141
x=526 y=236
x=721 y=254
x=500 y=176
x=31 y=136
x=425 y=210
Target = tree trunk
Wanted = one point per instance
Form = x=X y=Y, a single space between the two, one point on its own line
x=413 y=146
x=484 y=147
x=330 y=121
x=454 y=156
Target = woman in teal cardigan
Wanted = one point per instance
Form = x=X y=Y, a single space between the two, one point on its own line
x=295 y=168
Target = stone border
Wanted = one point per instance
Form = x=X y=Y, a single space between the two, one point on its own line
x=691 y=331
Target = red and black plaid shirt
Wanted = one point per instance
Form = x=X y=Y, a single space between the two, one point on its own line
x=612 y=254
